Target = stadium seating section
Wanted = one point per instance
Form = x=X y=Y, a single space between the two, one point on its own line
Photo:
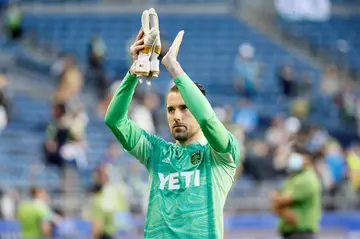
x=326 y=35
x=207 y=54
x=209 y=48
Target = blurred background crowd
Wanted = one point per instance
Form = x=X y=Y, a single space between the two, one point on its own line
x=276 y=71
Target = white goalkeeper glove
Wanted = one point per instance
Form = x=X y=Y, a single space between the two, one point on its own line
x=143 y=65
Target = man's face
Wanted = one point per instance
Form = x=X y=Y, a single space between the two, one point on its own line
x=182 y=123
x=42 y=195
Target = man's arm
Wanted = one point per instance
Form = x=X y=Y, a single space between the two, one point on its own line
x=200 y=107
x=134 y=139
x=215 y=132
x=280 y=206
x=300 y=191
x=286 y=213
x=282 y=199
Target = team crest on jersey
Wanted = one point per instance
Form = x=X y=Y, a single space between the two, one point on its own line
x=196 y=157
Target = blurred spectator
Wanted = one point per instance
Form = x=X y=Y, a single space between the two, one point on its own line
x=277 y=135
x=287 y=80
x=109 y=162
x=137 y=177
x=300 y=108
x=246 y=71
x=13 y=22
x=96 y=52
x=304 y=86
x=57 y=134
x=64 y=142
x=96 y=74
x=301 y=105
x=67 y=95
x=258 y=153
x=353 y=162
x=358 y=116
x=129 y=173
x=348 y=101
x=334 y=157
x=35 y=215
x=5 y=102
x=246 y=116
x=9 y=203
x=112 y=153
x=292 y=126
x=104 y=103
x=108 y=208
x=226 y=114
x=71 y=80
x=336 y=163
x=58 y=67
x=143 y=112
x=318 y=136
x=280 y=158
x=330 y=84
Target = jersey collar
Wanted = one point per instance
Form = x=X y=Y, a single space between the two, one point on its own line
x=203 y=141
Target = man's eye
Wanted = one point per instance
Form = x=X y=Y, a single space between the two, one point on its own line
x=171 y=110
x=183 y=107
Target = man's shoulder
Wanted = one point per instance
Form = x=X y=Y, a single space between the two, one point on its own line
x=157 y=141
x=308 y=177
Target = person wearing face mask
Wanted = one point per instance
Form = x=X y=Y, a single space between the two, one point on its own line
x=298 y=203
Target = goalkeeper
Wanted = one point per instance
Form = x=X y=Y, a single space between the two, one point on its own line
x=190 y=179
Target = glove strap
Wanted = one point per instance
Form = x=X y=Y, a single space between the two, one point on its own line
x=154 y=67
x=142 y=65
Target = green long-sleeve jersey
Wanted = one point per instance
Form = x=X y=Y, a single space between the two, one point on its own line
x=188 y=184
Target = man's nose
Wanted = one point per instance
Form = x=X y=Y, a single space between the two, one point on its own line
x=177 y=115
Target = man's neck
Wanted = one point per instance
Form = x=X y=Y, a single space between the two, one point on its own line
x=198 y=137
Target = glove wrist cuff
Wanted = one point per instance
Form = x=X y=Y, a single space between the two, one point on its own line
x=143 y=57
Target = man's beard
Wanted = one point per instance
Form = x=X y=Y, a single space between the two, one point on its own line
x=180 y=135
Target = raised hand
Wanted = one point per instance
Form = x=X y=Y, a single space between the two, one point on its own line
x=137 y=45
x=172 y=54
x=170 y=59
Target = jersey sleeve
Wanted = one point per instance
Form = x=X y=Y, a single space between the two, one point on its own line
x=224 y=146
x=44 y=212
x=214 y=131
x=134 y=139
x=232 y=157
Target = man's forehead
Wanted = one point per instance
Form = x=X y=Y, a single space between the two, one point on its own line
x=174 y=99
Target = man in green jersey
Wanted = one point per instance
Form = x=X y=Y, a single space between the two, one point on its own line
x=190 y=179
x=35 y=216
x=109 y=209
x=298 y=203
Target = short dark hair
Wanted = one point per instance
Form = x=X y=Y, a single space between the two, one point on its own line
x=201 y=88
x=34 y=191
